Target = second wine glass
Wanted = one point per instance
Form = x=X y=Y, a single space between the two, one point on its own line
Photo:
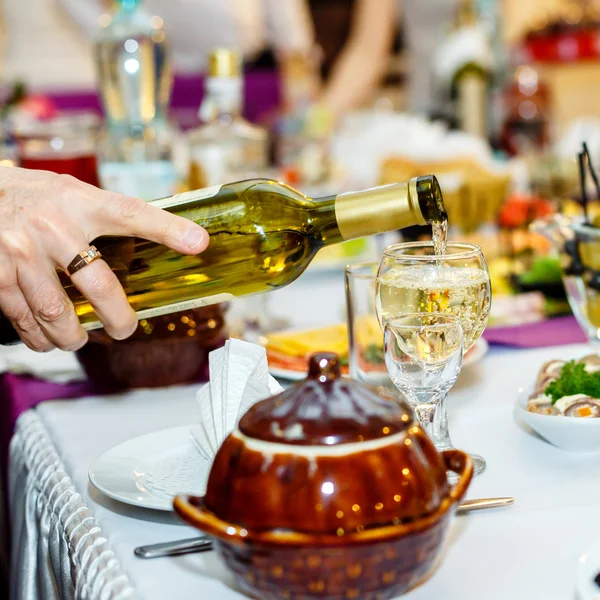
x=412 y=278
x=423 y=355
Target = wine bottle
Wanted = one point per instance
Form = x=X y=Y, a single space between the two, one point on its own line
x=471 y=82
x=135 y=78
x=225 y=147
x=263 y=235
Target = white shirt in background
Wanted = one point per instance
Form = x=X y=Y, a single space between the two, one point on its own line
x=426 y=23
x=195 y=27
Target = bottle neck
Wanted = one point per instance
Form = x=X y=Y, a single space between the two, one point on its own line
x=386 y=208
x=223 y=98
x=467 y=14
x=127 y=5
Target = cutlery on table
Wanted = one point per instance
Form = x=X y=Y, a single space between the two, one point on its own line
x=482 y=503
x=203 y=543
x=196 y=544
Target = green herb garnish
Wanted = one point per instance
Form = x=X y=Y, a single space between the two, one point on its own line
x=543 y=270
x=574 y=379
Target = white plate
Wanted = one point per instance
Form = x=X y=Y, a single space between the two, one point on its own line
x=568 y=433
x=478 y=351
x=589 y=567
x=149 y=470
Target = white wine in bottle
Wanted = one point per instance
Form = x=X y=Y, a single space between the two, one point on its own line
x=263 y=235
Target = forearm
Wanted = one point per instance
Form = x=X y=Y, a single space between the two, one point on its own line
x=364 y=58
x=354 y=77
x=289 y=26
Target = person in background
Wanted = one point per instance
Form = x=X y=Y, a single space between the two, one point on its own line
x=195 y=27
x=354 y=36
x=355 y=39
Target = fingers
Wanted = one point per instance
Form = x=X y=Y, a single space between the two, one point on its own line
x=123 y=215
x=102 y=288
x=29 y=270
x=50 y=305
x=15 y=308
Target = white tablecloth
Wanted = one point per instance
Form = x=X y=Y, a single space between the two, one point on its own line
x=527 y=551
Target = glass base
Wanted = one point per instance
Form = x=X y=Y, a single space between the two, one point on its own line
x=478 y=466
x=441 y=438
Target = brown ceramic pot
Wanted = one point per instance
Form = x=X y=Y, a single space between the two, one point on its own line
x=328 y=490
x=167 y=350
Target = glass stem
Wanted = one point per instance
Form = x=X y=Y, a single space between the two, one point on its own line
x=426 y=413
x=441 y=437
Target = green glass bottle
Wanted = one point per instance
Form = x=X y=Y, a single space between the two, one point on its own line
x=263 y=235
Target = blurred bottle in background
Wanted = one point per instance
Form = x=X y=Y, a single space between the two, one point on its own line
x=225 y=147
x=527 y=102
x=472 y=81
x=464 y=66
x=298 y=127
x=135 y=80
x=491 y=18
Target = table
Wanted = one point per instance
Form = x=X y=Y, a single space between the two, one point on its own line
x=527 y=551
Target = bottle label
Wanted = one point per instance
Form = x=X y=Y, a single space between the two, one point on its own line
x=147 y=180
x=472 y=104
x=187 y=197
x=149 y=313
x=223 y=95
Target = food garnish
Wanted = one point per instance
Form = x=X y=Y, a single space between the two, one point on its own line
x=569 y=389
x=574 y=379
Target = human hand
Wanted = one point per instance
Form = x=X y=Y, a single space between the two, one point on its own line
x=45 y=221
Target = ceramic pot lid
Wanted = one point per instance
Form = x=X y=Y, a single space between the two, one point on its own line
x=326 y=409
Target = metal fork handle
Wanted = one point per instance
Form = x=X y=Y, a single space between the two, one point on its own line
x=197 y=544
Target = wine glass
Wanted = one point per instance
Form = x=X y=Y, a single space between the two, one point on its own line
x=423 y=355
x=413 y=278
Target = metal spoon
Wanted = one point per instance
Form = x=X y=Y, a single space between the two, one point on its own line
x=203 y=543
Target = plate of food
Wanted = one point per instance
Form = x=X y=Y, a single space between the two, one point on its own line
x=563 y=406
x=288 y=351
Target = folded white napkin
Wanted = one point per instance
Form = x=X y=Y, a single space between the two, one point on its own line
x=239 y=377
x=56 y=366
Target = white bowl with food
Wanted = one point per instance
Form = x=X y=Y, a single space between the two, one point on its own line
x=564 y=405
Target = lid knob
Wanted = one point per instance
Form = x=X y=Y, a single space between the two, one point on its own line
x=324 y=366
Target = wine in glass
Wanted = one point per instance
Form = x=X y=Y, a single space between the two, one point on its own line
x=413 y=278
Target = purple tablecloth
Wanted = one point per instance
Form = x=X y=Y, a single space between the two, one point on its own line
x=261 y=96
x=19 y=393
x=553 y=332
